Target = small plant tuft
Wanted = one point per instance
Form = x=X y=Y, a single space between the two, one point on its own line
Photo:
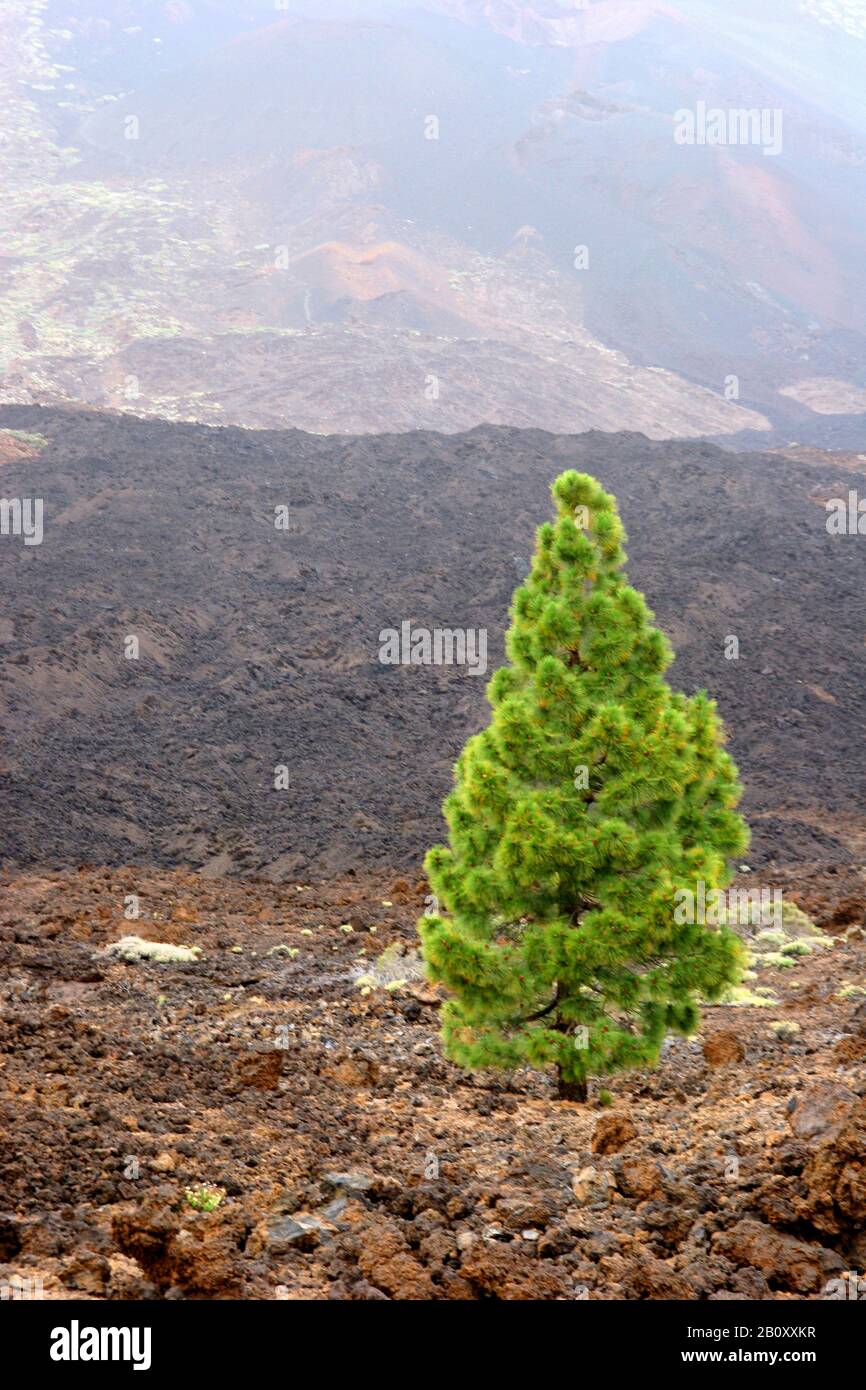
x=204 y=1197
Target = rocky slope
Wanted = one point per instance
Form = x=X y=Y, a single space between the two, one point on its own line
x=210 y=215
x=274 y=1119
x=259 y=648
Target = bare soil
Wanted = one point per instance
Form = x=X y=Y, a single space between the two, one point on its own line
x=353 y=1162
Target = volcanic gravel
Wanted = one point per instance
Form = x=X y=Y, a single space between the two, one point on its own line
x=259 y=647
x=346 y=1159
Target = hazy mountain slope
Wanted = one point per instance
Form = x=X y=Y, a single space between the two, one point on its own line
x=208 y=175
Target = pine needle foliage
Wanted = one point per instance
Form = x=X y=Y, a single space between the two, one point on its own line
x=594 y=794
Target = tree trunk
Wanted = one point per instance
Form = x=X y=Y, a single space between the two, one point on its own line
x=570 y=1090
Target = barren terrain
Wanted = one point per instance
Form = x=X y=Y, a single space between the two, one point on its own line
x=294 y=1069
x=305 y=307
x=313 y=252
x=259 y=648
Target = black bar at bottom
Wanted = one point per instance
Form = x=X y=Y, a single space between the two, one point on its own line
x=84 y=1338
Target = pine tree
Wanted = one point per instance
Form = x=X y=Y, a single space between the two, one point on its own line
x=593 y=798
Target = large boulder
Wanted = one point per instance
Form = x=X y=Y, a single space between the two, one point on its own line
x=785 y=1262
x=835 y=1178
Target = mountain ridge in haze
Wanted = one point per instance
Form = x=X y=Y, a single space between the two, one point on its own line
x=571 y=244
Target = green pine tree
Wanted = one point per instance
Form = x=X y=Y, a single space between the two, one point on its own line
x=594 y=796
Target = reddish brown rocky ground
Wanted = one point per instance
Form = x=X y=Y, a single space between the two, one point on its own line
x=736 y=1170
